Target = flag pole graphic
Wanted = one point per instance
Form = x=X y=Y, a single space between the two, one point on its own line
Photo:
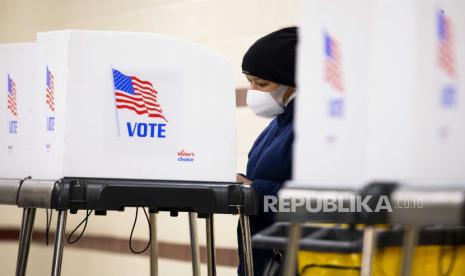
x=116 y=109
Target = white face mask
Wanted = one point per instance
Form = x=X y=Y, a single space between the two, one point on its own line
x=267 y=104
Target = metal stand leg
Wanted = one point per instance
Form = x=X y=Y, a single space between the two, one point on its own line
x=408 y=249
x=194 y=244
x=295 y=231
x=246 y=244
x=59 y=243
x=211 y=256
x=25 y=236
x=153 y=246
x=369 y=250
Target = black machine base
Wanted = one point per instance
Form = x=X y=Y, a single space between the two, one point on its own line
x=106 y=194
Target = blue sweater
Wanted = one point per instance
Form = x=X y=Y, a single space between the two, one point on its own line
x=269 y=166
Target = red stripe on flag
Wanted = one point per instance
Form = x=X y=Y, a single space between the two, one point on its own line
x=130 y=102
x=130 y=107
x=141 y=81
x=136 y=97
x=142 y=106
x=49 y=96
x=125 y=98
x=146 y=95
x=158 y=116
x=145 y=88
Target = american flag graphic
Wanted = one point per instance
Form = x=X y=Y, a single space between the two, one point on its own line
x=12 y=96
x=445 y=34
x=50 y=91
x=332 y=63
x=137 y=95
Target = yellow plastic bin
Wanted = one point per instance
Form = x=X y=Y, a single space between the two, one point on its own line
x=337 y=252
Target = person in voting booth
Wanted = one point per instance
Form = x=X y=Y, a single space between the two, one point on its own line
x=269 y=66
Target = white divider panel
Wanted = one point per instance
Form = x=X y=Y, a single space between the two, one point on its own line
x=418 y=126
x=381 y=93
x=334 y=84
x=17 y=72
x=133 y=105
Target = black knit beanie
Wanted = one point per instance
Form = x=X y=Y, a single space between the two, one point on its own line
x=272 y=57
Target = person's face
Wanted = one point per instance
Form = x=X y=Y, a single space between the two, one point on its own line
x=256 y=83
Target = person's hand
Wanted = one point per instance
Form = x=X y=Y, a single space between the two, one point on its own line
x=242 y=179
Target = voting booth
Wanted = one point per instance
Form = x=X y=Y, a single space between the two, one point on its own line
x=17 y=74
x=380 y=113
x=335 y=82
x=17 y=69
x=380 y=97
x=132 y=105
x=132 y=120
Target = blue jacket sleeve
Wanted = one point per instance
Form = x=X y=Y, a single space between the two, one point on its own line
x=264 y=187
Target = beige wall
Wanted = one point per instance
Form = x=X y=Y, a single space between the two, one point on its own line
x=226 y=26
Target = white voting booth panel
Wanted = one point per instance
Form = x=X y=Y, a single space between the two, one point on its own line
x=381 y=93
x=133 y=105
x=333 y=68
x=423 y=140
x=17 y=72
